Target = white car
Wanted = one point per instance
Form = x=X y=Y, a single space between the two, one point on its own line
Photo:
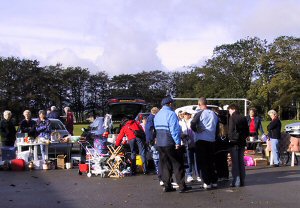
x=293 y=129
x=192 y=109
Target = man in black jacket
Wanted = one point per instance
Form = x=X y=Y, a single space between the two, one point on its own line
x=238 y=131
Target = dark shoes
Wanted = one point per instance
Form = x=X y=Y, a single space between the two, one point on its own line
x=275 y=165
x=185 y=189
x=169 y=189
x=241 y=185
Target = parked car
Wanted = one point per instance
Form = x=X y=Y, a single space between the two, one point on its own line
x=118 y=108
x=58 y=126
x=58 y=148
x=293 y=129
x=193 y=108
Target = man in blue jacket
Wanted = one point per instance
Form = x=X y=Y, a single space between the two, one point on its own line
x=205 y=138
x=168 y=142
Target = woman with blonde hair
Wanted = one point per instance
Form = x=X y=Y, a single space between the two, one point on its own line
x=274 y=129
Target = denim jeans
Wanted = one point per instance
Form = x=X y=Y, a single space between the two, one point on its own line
x=192 y=164
x=238 y=167
x=142 y=151
x=275 y=150
x=43 y=151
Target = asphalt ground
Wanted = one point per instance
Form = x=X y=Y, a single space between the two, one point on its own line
x=265 y=187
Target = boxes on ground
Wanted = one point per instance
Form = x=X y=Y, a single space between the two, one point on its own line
x=260 y=162
x=61 y=161
x=8 y=153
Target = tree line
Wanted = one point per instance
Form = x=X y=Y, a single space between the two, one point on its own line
x=267 y=74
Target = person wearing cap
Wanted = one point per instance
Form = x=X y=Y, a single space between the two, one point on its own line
x=274 y=134
x=168 y=141
x=205 y=139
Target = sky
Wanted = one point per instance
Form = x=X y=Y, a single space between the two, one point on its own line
x=130 y=36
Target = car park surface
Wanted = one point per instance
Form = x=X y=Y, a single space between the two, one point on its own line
x=265 y=187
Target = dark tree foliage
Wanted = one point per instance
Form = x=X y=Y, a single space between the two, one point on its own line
x=266 y=74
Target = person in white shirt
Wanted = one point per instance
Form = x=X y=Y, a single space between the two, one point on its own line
x=188 y=141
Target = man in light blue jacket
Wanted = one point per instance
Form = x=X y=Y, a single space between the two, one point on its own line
x=205 y=138
x=168 y=143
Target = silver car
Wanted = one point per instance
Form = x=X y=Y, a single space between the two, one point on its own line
x=57 y=125
x=293 y=129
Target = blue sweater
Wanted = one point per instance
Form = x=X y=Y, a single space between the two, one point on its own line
x=43 y=128
x=208 y=123
x=167 y=127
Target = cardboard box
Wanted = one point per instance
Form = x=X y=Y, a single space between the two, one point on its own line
x=260 y=162
x=61 y=161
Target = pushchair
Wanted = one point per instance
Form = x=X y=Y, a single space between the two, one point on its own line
x=95 y=163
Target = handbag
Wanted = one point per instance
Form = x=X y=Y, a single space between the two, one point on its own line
x=269 y=145
x=235 y=135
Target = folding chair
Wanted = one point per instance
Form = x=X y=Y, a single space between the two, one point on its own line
x=114 y=161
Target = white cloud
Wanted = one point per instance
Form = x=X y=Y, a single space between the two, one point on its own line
x=131 y=36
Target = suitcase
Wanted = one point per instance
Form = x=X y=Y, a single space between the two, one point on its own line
x=17 y=164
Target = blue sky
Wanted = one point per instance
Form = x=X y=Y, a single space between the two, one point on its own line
x=129 y=36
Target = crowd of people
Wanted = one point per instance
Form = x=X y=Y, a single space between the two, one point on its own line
x=194 y=146
x=41 y=127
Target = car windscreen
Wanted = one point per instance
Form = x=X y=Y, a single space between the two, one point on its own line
x=57 y=125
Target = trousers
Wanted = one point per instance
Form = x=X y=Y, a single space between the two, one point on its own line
x=171 y=160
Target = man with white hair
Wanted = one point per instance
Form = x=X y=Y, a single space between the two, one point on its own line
x=7 y=130
x=53 y=113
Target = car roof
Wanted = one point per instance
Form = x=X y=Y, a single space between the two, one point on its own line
x=193 y=108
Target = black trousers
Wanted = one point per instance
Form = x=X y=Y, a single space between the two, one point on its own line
x=222 y=164
x=205 y=158
x=171 y=160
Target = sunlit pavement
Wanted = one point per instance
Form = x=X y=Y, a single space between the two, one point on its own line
x=265 y=187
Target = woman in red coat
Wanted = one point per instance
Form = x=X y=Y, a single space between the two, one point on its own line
x=127 y=130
